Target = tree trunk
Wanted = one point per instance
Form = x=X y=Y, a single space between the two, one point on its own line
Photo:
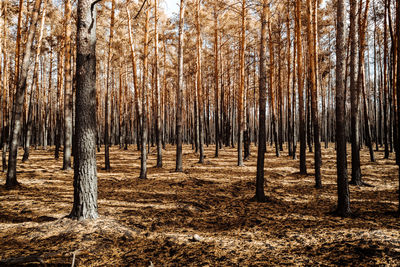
x=240 y=120
x=216 y=80
x=11 y=180
x=354 y=96
x=106 y=115
x=85 y=170
x=199 y=85
x=314 y=94
x=343 y=206
x=5 y=124
x=260 y=195
x=143 y=151
x=157 y=91
x=28 y=128
x=67 y=91
x=303 y=167
x=179 y=91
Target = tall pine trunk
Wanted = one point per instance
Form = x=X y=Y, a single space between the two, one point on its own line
x=343 y=206
x=18 y=104
x=67 y=91
x=179 y=91
x=85 y=170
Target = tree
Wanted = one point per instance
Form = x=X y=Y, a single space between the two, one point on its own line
x=67 y=91
x=354 y=96
x=398 y=87
x=312 y=54
x=216 y=79
x=143 y=149
x=11 y=180
x=85 y=171
x=106 y=116
x=343 y=206
x=157 y=91
x=260 y=195
x=303 y=167
x=199 y=84
x=179 y=90
x=271 y=75
x=240 y=120
x=5 y=128
x=33 y=97
x=135 y=80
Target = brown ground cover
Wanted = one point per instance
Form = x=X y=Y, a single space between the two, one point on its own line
x=154 y=220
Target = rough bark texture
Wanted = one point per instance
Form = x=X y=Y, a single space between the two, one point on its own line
x=314 y=94
x=179 y=91
x=143 y=151
x=260 y=195
x=67 y=91
x=85 y=171
x=303 y=167
x=11 y=180
x=216 y=80
x=158 y=92
x=398 y=86
x=28 y=125
x=199 y=86
x=241 y=87
x=343 y=207
x=107 y=165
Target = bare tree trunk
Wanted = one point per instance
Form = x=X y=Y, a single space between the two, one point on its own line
x=216 y=80
x=303 y=167
x=85 y=170
x=289 y=102
x=58 y=112
x=28 y=128
x=354 y=95
x=272 y=85
x=398 y=86
x=135 y=82
x=67 y=91
x=260 y=195
x=241 y=86
x=343 y=206
x=314 y=94
x=179 y=91
x=143 y=153
x=385 y=86
x=4 y=130
x=106 y=115
x=199 y=85
x=11 y=180
x=157 y=90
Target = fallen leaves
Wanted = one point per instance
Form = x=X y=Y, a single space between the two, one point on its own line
x=203 y=216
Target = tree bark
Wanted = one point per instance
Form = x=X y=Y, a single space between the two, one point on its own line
x=314 y=94
x=143 y=151
x=343 y=206
x=199 y=85
x=157 y=91
x=179 y=91
x=11 y=180
x=107 y=165
x=67 y=91
x=28 y=126
x=240 y=120
x=216 y=80
x=260 y=195
x=302 y=126
x=85 y=170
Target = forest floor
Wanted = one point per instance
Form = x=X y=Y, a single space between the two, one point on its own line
x=154 y=221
